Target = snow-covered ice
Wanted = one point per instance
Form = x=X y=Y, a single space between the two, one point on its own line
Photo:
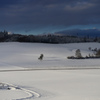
x=24 y=77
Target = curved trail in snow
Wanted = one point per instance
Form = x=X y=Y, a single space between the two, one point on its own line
x=31 y=94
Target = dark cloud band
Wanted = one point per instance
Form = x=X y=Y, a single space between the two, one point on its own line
x=49 y=12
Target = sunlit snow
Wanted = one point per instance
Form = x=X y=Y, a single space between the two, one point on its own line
x=24 y=77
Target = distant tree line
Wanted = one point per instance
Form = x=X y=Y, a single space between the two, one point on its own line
x=49 y=38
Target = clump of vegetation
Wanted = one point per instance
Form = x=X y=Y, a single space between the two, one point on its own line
x=97 y=54
x=78 y=54
x=41 y=57
x=71 y=57
x=89 y=48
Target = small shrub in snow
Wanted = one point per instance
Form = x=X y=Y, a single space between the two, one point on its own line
x=71 y=57
x=41 y=57
x=97 y=53
x=89 y=55
x=89 y=48
x=96 y=49
x=78 y=53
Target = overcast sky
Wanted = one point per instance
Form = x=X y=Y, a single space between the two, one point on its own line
x=46 y=16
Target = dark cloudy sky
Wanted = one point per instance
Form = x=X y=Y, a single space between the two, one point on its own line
x=44 y=16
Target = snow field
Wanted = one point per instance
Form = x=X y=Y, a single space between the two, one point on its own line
x=25 y=55
x=57 y=84
x=17 y=58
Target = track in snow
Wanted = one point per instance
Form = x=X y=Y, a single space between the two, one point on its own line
x=68 y=68
x=10 y=87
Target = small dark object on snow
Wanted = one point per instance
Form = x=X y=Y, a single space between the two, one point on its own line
x=41 y=57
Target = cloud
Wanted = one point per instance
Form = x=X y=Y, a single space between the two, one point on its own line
x=44 y=13
x=79 y=6
x=80 y=32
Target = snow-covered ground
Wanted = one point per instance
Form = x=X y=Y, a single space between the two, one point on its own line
x=24 y=77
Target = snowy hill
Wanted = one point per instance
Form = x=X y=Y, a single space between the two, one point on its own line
x=25 y=55
x=53 y=78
